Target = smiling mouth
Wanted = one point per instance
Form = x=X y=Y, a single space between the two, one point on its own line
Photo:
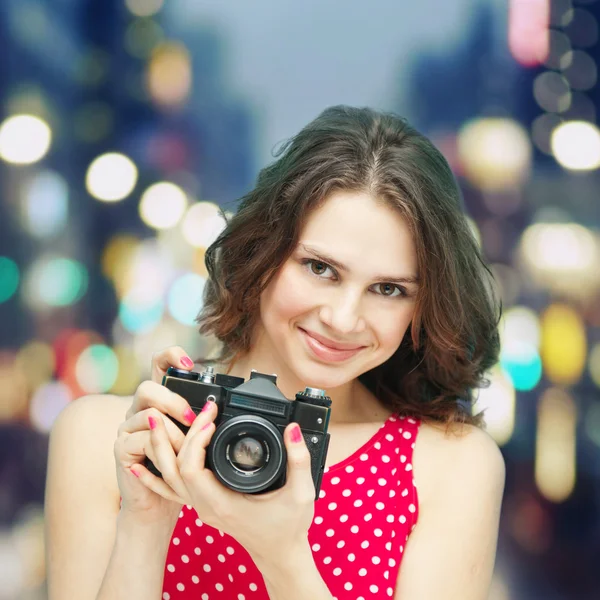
x=319 y=348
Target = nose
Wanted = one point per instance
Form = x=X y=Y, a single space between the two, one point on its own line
x=342 y=312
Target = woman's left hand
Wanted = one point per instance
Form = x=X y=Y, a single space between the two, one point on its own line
x=267 y=525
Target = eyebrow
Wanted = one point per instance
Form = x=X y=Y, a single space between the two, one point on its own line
x=409 y=279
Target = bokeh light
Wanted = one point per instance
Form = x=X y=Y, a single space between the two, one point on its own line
x=149 y=272
x=562 y=257
x=582 y=28
x=528 y=38
x=520 y=358
x=144 y=8
x=129 y=374
x=24 y=139
x=96 y=369
x=9 y=278
x=46 y=404
x=185 y=298
x=13 y=387
x=169 y=76
x=45 y=204
x=162 y=205
x=552 y=92
x=591 y=423
x=55 y=282
x=111 y=177
x=594 y=364
x=117 y=259
x=497 y=402
x=202 y=224
x=564 y=346
x=140 y=314
x=36 y=358
x=581 y=73
x=495 y=153
x=559 y=51
x=142 y=36
x=576 y=145
x=67 y=346
x=555 y=445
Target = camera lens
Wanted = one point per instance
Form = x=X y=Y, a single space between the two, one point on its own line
x=247 y=454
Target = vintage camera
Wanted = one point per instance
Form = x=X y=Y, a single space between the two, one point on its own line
x=247 y=452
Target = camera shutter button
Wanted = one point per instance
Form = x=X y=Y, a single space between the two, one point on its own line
x=314 y=392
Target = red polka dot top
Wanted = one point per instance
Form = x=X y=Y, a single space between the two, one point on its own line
x=366 y=510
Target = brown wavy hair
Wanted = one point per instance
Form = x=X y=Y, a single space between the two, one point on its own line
x=453 y=337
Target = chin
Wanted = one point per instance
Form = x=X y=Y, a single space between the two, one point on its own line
x=324 y=376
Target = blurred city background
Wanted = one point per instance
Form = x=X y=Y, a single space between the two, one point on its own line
x=126 y=124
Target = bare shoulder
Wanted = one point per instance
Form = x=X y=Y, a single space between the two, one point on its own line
x=87 y=428
x=465 y=454
x=95 y=417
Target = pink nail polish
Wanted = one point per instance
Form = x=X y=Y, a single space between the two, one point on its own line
x=189 y=415
x=296 y=434
x=205 y=426
x=134 y=472
x=207 y=406
x=187 y=362
x=152 y=422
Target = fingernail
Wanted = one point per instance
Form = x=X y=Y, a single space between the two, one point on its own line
x=205 y=426
x=135 y=472
x=189 y=415
x=296 y=434
x=187 y=362
x=207 y=405
x=152 y=422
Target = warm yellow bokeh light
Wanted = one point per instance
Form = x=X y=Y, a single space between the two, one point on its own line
x=555 y=445
x=169 y=75
x=562 y=256
x=111 y=177
x=41 y=355
x=495 y=153
x=576 y=145
x=564 y=346
x=162 y=205
x=129 y=374
x=117 y=260
x=24 y=139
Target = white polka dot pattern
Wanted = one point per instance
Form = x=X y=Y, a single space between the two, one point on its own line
x=366 y=511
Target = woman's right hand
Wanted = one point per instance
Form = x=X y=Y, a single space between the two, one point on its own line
x=152 y=401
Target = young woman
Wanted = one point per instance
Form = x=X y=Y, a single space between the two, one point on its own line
x=350 y=267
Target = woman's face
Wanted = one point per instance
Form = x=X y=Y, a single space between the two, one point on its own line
x=340 y=305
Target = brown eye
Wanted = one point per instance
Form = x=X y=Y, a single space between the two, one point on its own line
x=318 y=268
x=389 y=289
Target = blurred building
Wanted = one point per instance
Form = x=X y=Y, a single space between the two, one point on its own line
x=492 y=104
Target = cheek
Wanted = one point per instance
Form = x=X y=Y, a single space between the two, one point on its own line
x=390 y=335
x=286 y=296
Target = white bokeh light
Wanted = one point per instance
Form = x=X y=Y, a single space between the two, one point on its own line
x=24 y=139
x=162 y=205
x=576 y=145
x=111 y=177
x=202 y=224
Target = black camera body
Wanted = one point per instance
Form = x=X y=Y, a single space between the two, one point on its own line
x=246 y=452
